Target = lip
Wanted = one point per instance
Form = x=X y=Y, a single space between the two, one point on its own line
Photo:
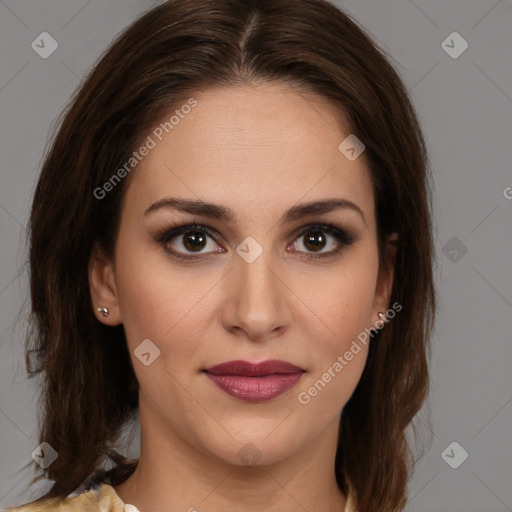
x=248 y=369
x=255 y=382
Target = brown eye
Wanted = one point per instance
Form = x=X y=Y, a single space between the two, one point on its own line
x=316 y=237
x=188 y=242
x=194 y=240
x=315 y=241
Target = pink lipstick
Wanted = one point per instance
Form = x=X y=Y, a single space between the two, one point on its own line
x=255 y=382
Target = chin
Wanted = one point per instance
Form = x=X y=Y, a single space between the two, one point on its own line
x=254 y=450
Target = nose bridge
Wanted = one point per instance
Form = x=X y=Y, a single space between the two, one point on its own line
x=258 y=278
x=257 y=298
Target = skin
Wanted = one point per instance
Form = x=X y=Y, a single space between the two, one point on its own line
x=259 y=150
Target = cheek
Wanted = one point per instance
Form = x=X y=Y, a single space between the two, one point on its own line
x=343 y=302
x=161 y=301
x=342 y=298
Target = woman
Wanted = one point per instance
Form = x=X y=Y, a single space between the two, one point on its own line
x=231 y=235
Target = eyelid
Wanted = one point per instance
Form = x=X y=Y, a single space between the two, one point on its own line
x=178 y=229
x=343 y=236
x=328 y=227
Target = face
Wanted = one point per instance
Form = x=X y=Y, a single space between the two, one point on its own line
x=258 y=277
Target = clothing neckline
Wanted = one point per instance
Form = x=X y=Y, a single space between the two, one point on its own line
x=107 y=488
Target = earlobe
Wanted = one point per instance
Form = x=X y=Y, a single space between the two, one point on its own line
x=103 y=290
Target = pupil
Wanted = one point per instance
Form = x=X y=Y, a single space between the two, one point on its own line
x=194 y=240
x=315 y=241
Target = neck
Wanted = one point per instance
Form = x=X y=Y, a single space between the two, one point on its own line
x=173 y=474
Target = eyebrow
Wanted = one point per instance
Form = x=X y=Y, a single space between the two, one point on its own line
x=219 y=212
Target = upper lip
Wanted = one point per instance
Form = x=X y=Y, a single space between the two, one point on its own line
x=248 y=369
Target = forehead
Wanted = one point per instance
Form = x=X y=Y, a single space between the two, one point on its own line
x=251 y=145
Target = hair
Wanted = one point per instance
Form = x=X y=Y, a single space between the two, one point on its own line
x=90 y=390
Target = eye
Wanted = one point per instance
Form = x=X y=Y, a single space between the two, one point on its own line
x=313 y=238
x=191 y=237
x=187 y=242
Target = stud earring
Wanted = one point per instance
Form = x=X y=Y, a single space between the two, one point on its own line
x=103 y=311
x=382 y=315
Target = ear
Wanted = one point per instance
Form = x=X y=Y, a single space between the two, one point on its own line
x=102 y=286
x=385 y=278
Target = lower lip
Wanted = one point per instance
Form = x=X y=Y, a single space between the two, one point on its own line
x=256 y=389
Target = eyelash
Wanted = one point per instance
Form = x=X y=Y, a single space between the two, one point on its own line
x=344 y=239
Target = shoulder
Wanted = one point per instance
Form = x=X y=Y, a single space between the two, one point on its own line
x=350 y=502
x=101 y=499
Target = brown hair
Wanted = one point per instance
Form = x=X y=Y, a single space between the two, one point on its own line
x=181 y=46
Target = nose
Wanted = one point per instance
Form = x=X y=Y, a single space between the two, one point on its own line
x=257 y=299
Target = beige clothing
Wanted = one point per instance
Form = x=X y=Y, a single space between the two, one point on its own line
x=102 y=499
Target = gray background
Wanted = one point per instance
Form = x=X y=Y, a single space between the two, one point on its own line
x=465 y=106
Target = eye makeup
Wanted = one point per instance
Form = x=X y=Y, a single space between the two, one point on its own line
x=197 y=232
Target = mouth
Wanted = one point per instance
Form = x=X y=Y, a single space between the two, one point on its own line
x=255 y=382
